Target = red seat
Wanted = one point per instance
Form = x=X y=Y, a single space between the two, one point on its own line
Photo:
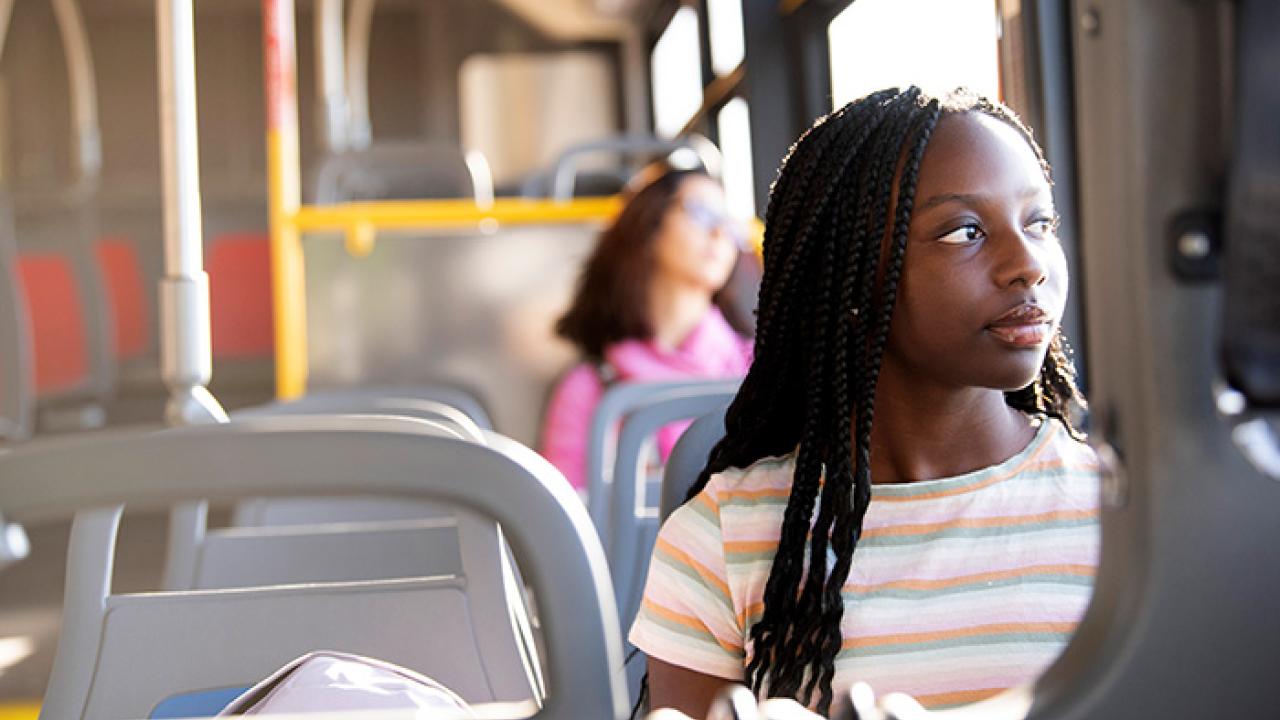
x=58 y=328
x=122 y=276
x=239 y=268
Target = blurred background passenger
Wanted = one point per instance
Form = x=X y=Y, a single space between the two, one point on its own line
x=646 y=307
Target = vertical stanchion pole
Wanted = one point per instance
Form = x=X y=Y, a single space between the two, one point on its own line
x=331 y=86
x=185 y=357
x=288 y=288
x=359 y=30
x=87 y=139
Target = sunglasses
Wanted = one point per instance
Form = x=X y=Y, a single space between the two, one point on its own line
x=710 y=219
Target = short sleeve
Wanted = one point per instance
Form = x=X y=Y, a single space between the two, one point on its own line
x=687 y=616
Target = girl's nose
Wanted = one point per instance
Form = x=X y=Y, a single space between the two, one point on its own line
x=1022 y=262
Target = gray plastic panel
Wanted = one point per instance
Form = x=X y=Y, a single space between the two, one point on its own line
x=617 y=401
x=634 y=524
x=688 y=458
x=557 y=551
x=426 y=402
x=17 y=384
x=188 y=541
x=349 y=552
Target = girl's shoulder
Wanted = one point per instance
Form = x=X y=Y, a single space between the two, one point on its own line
x=1069 y=452
x=765 y=481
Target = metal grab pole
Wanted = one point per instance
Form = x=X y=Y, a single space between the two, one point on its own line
x=6 y=15
x=84 y=93
x=284 y=197
x=360 y=27
x=330 y=83
x=185 y=355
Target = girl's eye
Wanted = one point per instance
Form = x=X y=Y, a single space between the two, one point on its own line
x=962 y=235
x=1043 y=227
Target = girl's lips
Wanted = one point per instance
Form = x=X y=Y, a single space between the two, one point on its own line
x=1029 y=335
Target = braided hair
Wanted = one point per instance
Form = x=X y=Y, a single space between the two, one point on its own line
x=825 y=307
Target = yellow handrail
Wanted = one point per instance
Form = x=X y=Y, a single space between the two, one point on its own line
x=428 y=214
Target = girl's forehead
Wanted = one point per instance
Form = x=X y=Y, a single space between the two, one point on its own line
x=973 y=151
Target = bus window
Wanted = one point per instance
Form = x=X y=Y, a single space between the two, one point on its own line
x=733 y=125
x=676 y=74
x=936 y=44
x=724 y=21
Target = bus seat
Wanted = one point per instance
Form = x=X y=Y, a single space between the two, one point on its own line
x=58 y=333
x=122 y=275
x=16 y=382
x=335 y=552
x=119 y=655
x=401 y=171
x=619 y=400
x=240 y=308
x=190 y=543
x=349 y=539
x=200 y=703
x=198 y=558
x=688 y=458
x=454 y=408
x=236 y=637
x=430 y=401
x=634 y=519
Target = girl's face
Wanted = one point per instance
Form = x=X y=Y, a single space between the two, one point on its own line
x=984 y=282
x=695 y=243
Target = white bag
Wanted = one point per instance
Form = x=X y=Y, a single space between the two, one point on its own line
x=328 y=681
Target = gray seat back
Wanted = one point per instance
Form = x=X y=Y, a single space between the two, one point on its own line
x=312 y=455
x=67 y=226
x=193 y=551
x=16 y=381
x=619 y=400
x=400 y=171
x=688 y=458
x=633 y=508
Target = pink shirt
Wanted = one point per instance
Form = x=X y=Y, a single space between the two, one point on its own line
x=712 y=351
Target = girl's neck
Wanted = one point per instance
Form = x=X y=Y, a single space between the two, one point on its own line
x=675 y=309
x=924 y=432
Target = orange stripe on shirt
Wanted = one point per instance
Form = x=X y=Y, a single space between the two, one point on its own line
x=768 y=492
x=958 y=581
x=757 y=609
x=991 y=522
x=870 y=641
x=703 y=571
x=958 y=697
x=749 y=546
x=688 y=621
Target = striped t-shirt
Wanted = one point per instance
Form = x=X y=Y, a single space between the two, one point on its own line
x=961 y=587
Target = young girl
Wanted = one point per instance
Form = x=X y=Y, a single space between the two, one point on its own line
x=900 y=497
x=644 y=308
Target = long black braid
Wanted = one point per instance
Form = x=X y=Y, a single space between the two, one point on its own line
x=826 y=302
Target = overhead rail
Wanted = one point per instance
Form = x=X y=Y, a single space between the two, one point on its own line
x=359 y=220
